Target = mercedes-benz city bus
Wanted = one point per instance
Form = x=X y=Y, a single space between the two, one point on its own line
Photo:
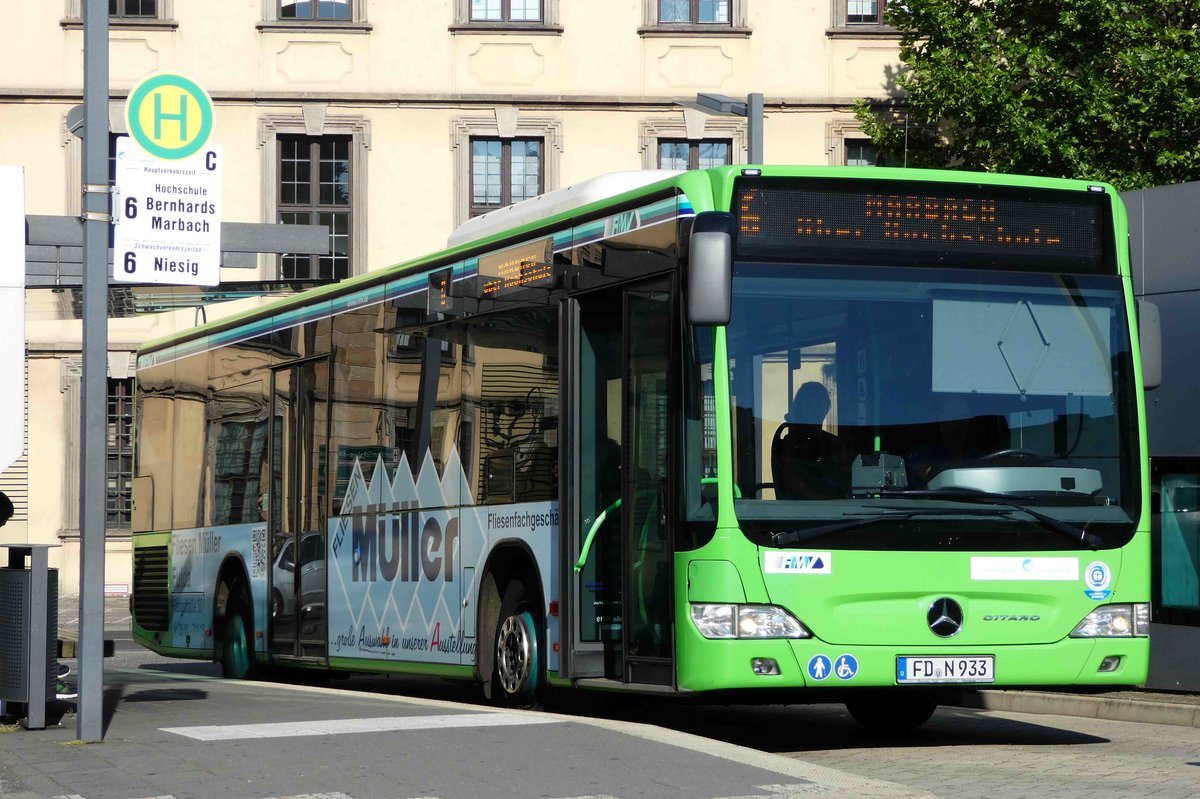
x=806 y=434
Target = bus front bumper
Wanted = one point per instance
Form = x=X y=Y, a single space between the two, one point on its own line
x=713 y=665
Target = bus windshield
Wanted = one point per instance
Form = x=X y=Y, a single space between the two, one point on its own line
x=914 y=407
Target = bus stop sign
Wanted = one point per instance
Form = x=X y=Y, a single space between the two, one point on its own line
x=168 y=193
x=169 y=116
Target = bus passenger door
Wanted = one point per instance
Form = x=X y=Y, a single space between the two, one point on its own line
x=618 y=513
x=297 y=517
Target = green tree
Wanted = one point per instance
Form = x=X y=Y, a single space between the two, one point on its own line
x=1093 y=89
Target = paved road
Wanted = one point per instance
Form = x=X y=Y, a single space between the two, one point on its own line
x=173 y=727
x=971 y=753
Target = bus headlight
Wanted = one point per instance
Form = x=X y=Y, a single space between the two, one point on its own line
x=746 y=621
x=1115 y=621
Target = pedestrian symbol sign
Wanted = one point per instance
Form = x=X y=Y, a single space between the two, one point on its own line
x=169 y=116
x=819 y=667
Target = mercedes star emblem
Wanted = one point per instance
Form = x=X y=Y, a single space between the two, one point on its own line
x=945 y=617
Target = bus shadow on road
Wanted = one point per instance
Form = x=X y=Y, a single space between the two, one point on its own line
x=783 y=729
x=165 y=695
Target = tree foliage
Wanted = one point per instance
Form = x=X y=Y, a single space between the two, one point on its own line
x=1094 y=89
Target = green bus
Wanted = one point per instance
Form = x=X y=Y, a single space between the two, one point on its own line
x=766 y=433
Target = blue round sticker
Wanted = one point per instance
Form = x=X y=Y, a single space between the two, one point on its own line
x=1096 y=579
x=819 y=667
x=847 y=667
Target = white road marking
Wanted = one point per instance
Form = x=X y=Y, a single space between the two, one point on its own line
x=295 y=729
x=333 y=795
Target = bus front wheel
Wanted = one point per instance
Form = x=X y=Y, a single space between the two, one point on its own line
x=237 y=651
x=517 y=673
x=891 y=713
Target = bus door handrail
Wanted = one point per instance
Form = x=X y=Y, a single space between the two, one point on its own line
x=587 y=541
x=591 y=534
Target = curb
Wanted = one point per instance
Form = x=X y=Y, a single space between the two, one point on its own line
x=1083 y=705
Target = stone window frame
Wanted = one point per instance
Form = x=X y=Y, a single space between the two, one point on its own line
x=837 y=132
x=694 y=126
x=121 y=366
x=163 y=20
x=549 y=24
x=738 y=25
x=506 y=171
x=839 y=28
x=314 y=120
x=271 y=21
x=505 y=123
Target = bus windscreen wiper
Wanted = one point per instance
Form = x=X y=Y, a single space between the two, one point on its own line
x=790 y=537
x=1065 y=529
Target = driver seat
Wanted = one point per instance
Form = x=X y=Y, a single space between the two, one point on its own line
x=808 y=462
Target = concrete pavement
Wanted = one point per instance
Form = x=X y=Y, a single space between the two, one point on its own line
x=175 y=729
x=1180 y=710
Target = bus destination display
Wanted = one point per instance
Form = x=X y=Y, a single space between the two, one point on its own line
x=924 y=224
x=527 y=265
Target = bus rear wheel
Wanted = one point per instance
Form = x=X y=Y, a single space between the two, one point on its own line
x=891 y=713
x=517 y=673
x=237 y=651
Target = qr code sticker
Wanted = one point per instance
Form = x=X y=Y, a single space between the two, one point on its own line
x=258 y=552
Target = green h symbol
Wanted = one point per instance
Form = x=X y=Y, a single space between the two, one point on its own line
x=160 y=115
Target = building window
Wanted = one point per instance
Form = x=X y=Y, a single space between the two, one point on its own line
x=509 y=155
x=133 y=9
x=861 y=152
x=476 y=15
x=119 y=467
x=682 y=154
x=139 y=14
x=506 y=10
x=315 y=9
x=694 y=17
x=693 y=12
x=504 y=171
x=858 y=18
x=315 y=189
x=865 y=12
x=691 y=140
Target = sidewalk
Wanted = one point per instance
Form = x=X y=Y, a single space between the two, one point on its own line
x=174 y=730
x=1177 y=709
x=1180 y=710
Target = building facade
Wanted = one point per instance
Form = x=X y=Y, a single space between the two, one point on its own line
x=391 y=123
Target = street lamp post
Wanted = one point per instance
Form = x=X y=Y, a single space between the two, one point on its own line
x=751 y=109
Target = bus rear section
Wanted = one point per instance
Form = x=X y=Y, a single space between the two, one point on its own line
x=934 y=439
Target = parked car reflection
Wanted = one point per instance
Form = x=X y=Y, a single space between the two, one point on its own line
x=312 y=579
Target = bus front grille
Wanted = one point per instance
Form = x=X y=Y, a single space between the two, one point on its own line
x=150 y=595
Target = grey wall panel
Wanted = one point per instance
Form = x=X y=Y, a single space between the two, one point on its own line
x=1164 y=233
x=1173 y=409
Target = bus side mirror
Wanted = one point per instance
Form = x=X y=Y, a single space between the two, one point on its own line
x=1150 y=336
x=710 y=269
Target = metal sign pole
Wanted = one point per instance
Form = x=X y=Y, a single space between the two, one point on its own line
x=754 y=128
x=93 y=422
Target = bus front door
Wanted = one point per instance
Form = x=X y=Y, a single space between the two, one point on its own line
x=618 y=524
x=297 y=513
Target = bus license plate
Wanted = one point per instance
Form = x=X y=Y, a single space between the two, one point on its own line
x=973 y=668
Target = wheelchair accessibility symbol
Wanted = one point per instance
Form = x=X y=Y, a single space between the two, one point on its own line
x=819 y=667
x=847 y=667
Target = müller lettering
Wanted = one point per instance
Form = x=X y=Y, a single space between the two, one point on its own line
x=407 y=547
